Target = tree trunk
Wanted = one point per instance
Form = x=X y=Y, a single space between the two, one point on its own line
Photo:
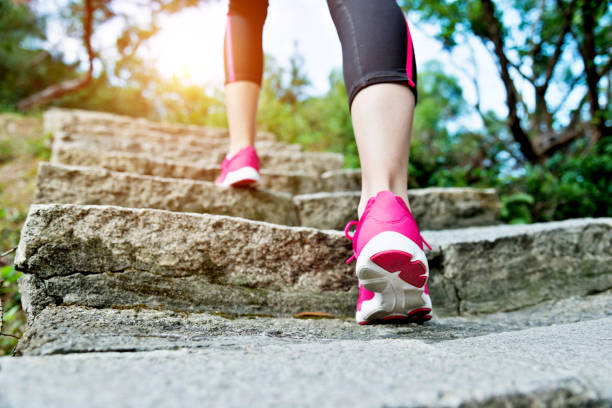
x=514 y=122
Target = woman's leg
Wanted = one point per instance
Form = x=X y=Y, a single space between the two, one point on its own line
x=241 y=104
x=243 y=69
x=380 y=77
x=384 y=145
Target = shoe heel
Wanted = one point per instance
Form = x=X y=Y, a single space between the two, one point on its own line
x=244 y=177
x=411 y=272
x=392 y=258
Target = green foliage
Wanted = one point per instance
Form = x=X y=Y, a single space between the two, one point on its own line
x=540 y=43
x=6 y=151
x=516 y=208
x=24 y=67
x=572 y=186
x=23 y=137
x=13 y=318
x=317 y=123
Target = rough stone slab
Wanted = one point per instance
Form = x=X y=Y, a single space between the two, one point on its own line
x=75 y=329
x=193 y=150
x=341 y=180
x=300 y=162
x=291 y=182
x=433 y=208
x=303 y=162
x=87 y=185
x=124 y=139
x=79 y=121
x=327 y=210
x=506 y=267
x=440 y=208
x=562 y=365
x=110 y=256
x=102 y=256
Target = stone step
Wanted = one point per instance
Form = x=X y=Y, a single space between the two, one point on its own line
x=433 y=208
x=167 y=147
x=77 y=329
x=92 y=122
x=290 y=182
x=88 y=185
x=341 y=180
x=284 y=161
x=560 y=365
x=101 y=256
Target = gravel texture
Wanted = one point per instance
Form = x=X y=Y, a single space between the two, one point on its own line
x=560 y=365
x=77 y=329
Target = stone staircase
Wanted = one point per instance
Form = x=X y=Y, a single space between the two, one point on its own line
x=164 y=290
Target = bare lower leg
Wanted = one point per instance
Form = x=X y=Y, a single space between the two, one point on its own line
x=382 y=120
x=241 y=103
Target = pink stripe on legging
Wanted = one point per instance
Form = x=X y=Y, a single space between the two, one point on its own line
x=409 y=56
x=229 y=51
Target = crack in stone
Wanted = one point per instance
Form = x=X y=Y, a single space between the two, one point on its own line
x=459 y=299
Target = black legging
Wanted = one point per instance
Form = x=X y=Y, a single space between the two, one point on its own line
x=376 y=43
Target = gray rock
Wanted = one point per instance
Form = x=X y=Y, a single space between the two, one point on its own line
x=341 y=180
x=86 y=185
x=433 y=208
x=131 y=163
x=105 y=256
x=112 y=139
x=561 y=365
x=108 y=256
x=78 y=155
x=440 y=208
x=81 y=121
x=291 y=182
x=303 y=162
x=327 y=210
x=190 y=149
x=487 y=269
x=75 y=329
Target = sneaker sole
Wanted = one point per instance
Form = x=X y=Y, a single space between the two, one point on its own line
x=395 y=268
x=418 y=316
x=243 y=177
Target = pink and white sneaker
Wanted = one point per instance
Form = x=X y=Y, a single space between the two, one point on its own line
x=240 y=170
x=391 y=265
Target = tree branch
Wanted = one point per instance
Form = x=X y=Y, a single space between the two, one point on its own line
x=571 y=87
x=565 y=28
x=605 y=68
x=537 y=47
x=521 y=73
x=554 y=142
x=588 y=52
x=494 y=34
